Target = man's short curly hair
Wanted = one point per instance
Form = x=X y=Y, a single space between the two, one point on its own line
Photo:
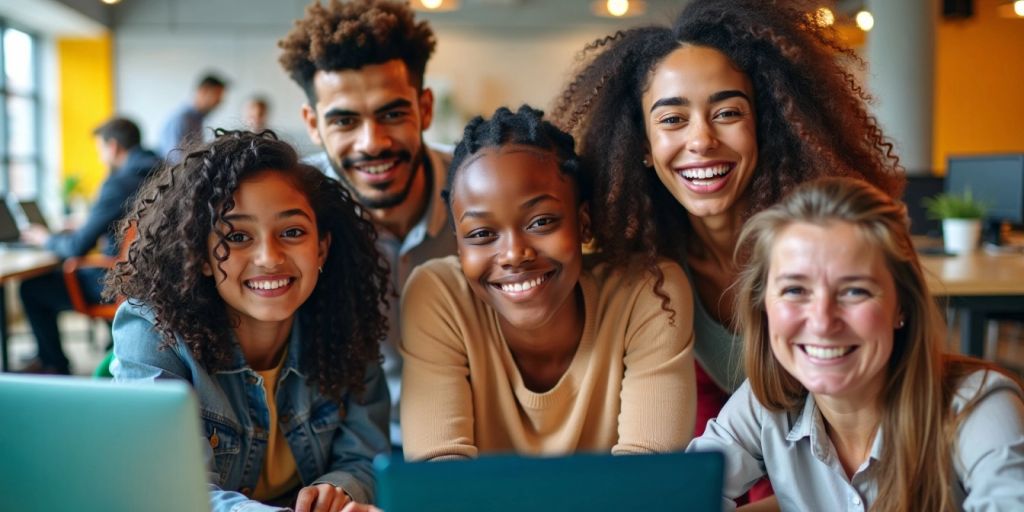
x=350 y=35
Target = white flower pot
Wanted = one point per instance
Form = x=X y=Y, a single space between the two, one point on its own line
x=961 y=236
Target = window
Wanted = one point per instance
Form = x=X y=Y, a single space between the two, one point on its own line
x=20 y=154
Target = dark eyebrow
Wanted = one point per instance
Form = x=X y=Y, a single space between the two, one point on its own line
x=677 y=101
x=724 y=95
x=399 y=103
x=294 y=212
x=340 y=112
x=478 y=214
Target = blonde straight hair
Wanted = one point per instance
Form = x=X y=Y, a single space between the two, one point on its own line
x=917 y=421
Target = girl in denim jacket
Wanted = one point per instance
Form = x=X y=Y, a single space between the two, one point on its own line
x=254 y=278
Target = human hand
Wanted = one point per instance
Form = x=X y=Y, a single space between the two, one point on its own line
x=35 y=234
x=360 y=507
x=322 y=498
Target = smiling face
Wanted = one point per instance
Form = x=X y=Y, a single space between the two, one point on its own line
x=519 y=231
x=370 y=122
x=832 y=307
x=699 y=117
x=275 y=252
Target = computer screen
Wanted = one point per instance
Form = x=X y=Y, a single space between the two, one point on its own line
x=996 y=180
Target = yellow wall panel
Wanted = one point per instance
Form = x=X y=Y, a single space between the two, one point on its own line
x=86 y=76
x=979 y=72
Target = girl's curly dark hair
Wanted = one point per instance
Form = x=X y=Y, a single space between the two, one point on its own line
x=811 y=117
x=180 y=206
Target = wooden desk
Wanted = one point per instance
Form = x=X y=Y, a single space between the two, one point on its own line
x=19 y=263
x=976 y=285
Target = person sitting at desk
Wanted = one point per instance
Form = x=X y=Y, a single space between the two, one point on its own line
x=43 y=297
x=850 y=403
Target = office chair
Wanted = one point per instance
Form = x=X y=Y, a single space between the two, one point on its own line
x=98 y=311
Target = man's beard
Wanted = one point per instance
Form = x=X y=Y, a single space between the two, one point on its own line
x=388 y=201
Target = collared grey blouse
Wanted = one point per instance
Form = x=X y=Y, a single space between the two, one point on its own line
x=794 y=450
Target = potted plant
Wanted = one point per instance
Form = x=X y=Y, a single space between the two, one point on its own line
x=961 y=216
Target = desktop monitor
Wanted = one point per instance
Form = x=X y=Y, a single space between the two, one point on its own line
x=996 y=180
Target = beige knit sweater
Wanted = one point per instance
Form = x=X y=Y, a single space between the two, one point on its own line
x=629 y=388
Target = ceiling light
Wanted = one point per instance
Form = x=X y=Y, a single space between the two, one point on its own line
x=1018 y=8
x=618 y=8
x=435 y=5
x=111 y=2
x=865 y=20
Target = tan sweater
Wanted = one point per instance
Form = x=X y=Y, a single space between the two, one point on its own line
x=629 y=388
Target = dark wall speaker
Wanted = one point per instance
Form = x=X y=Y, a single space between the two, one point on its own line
x=957 y=8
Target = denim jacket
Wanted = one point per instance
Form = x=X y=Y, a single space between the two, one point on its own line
x=330 y=445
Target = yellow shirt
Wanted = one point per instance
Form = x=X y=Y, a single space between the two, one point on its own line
x=279 y=474
x=629 y=389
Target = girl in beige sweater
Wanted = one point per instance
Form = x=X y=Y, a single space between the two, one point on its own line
x=518 y=345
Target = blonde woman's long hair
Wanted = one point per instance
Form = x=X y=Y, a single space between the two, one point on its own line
x=918 y=425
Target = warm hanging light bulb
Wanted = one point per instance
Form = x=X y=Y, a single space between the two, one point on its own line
x=431 y=4
x=865 y=20
x=618 y=7
x=1018 y=8
x=824 y=17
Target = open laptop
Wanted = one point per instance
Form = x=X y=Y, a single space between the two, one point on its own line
x=33 y=214
x=9 y=232
x=675 y=481
x=71 y=443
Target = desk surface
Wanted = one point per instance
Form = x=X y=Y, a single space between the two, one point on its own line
x=23 y=263
x=978 y=273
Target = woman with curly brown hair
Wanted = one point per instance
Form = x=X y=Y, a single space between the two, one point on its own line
x=689 y=131
x=254 y=278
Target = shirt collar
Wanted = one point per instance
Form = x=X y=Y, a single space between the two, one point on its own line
x=809 y=423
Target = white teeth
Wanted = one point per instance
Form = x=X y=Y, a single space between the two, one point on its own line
x=703 y=173
x=267 y=285
x=376 y=169
x=523 y=286
x=826 y=352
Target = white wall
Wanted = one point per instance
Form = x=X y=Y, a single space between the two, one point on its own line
x=162 y=47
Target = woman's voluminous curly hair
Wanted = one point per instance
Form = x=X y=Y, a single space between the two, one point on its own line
x=811 y=116
x=180 y=206
x=350 y=35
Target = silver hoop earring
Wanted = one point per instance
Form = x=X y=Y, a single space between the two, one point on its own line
x=900 y=324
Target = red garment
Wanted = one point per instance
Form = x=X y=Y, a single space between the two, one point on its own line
x=710 y=400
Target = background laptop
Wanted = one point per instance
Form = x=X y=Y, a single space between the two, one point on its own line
x=676 y=481
x=72 y=443
x=33 y=214
x=9 y=232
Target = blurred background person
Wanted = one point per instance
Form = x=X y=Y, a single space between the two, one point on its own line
x=119 y=143
x=255 y=113
x=185 y=126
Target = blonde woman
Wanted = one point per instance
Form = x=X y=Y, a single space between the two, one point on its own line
x=850 y=403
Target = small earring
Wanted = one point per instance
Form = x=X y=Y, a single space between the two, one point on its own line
x=646 y=162
x=900 y=324
x=321 y=269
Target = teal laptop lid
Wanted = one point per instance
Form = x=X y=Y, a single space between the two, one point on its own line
x=71 y=443
x=674 y=481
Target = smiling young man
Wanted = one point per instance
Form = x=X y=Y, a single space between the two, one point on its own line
x=361 y=65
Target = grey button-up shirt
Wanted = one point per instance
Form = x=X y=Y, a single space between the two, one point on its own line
x=794 y=450
x=431 y=237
